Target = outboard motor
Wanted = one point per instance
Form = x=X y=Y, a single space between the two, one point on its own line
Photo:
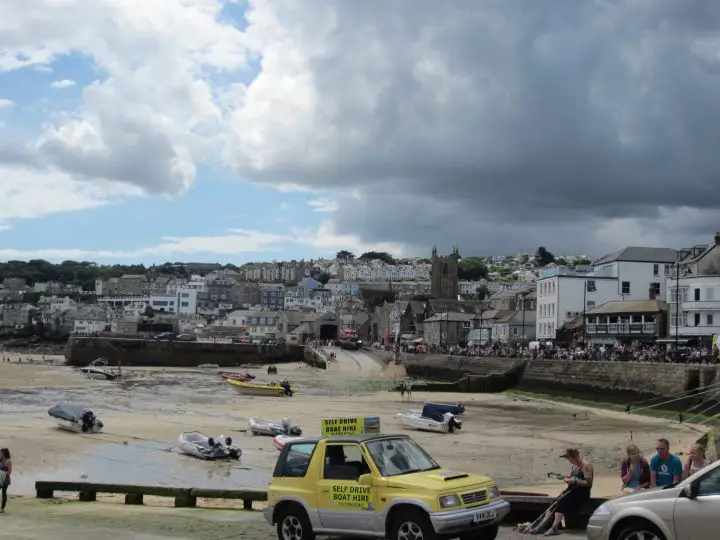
x=451 y=422
x=234 y=453
x=88 y=419
x=286 y=386
x=228 y=441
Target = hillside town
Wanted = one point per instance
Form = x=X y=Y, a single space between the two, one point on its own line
x=626 y=298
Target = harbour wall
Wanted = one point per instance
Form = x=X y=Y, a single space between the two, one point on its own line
x=80 y=351
x=577 y=376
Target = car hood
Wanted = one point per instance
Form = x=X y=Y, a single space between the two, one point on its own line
x=438 y=480
x=655 y=494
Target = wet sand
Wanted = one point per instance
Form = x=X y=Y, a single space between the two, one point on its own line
x=515 y=441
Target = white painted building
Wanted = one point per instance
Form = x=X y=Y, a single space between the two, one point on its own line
x=86 y=327
x=634 y=273
x=54 y=304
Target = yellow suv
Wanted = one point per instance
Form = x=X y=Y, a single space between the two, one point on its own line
x=383 y=486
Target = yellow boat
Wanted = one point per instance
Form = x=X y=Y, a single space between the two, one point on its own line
x=260 y=389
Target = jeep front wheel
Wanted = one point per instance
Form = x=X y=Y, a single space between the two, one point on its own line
x=413 y=525
x=293 y=524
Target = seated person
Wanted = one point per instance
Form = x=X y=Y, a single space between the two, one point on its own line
x=579 y=483
x=695 y=462
x=665 y=468
x=634 y=471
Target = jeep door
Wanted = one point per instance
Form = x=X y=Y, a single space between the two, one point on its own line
x=343 y=504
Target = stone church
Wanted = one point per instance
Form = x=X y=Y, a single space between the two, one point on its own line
x=444 y=275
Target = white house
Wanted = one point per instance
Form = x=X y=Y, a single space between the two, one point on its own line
x=633 y=273
x=87 y=326
x=697 y=291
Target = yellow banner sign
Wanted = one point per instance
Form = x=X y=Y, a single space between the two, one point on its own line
x=355 y=497
x=334 y=427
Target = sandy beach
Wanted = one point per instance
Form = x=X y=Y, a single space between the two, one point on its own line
x=515 y=441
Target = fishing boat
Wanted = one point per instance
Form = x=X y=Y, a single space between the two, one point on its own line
x=263 y=427
x=281 y=440
x=75 y=418
x=97 y=370
x=244 y=377
x=262 y=389
x=430 y=419
x=194 y=443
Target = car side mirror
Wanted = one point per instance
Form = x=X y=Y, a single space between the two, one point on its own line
x=366 y=480
x=691 y=490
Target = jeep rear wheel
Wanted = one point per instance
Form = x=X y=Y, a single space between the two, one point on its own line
x=413 y=525
x=486 y=533
x=293 y=524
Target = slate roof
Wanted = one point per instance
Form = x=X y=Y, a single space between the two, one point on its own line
x=640 y=254
x=636 y=306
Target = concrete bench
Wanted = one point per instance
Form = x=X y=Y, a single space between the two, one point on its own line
x=184 y=497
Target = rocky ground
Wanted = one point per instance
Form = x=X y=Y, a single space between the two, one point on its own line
x=62 y=519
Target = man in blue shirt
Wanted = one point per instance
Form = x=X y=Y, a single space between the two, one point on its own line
x=665 y=468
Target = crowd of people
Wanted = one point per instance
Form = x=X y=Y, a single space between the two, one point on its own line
x=617 y=353
x=636 y=474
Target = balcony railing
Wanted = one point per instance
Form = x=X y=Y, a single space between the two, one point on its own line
x=701 y=305
x=621 y=328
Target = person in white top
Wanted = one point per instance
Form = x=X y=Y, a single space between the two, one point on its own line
x=695 y=462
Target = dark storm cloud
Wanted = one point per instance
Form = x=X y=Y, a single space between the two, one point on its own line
x=533 y=112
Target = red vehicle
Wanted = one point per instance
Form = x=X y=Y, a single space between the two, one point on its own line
x=348 y=339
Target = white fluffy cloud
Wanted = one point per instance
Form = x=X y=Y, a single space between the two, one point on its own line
x=5 y=103
x=488 y=124
x=64 y=83
x=236 y=241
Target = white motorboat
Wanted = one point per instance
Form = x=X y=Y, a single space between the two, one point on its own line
x=263 y=427
x=430 y=419
x=280 y=440
x=194 y=443
x=97 y=369
x=75 y=418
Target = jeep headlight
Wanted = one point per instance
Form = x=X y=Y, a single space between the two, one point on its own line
x=602 y=510
x=493 y=493
x=449 y=501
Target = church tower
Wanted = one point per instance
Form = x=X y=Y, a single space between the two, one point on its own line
x=444 y=275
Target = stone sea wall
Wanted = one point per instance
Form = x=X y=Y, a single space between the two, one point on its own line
x=81 y=351
x=591 y=377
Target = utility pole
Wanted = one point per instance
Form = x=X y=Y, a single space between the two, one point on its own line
x=677 y=301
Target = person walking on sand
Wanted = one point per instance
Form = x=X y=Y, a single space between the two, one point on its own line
x=5 y=473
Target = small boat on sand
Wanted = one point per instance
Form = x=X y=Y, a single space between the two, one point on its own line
x=75 y=418
x=456 y=409
x=244 y=377
x=280 y=440
x=263 y=427
x=262 y=389
x=430 y=419
x=194 y=443
x=98 y=370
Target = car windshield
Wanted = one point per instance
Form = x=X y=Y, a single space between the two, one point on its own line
x=394 y=457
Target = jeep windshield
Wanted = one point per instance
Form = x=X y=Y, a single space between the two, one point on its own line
x=394 y=457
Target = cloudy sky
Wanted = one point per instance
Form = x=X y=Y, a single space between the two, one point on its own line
x=233 y=131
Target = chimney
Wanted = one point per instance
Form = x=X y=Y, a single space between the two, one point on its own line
x=717 y=238
x=652 y=293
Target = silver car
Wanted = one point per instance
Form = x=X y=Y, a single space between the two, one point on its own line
x=688 y=511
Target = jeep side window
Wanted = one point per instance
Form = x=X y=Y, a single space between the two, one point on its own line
x=710 y=483
x=297 y=460
x=344 y=462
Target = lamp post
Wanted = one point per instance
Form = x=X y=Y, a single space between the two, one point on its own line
x=585 y=290
x=677 y=301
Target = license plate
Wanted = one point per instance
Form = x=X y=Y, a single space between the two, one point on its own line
x=484 y=515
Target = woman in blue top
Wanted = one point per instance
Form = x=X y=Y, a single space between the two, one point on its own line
x=665 y=468
x=6 y=468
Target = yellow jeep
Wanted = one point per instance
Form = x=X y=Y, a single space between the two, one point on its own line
x=384 y=486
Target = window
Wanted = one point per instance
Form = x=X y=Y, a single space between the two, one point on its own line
x=590 y=304
x=710 y=483
x=675 y=294
x=696 y=294
x=400 y=456
x=184 y=304
x=668 y=269
x=591 y=286
x=344 y=462
x=296 y=462
x=656 y=269
x=655 y=288
x=696 y=318
x=709 y=319
x=625 y=287
x=467 y=324
x=678 y=321
x=709 y=294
